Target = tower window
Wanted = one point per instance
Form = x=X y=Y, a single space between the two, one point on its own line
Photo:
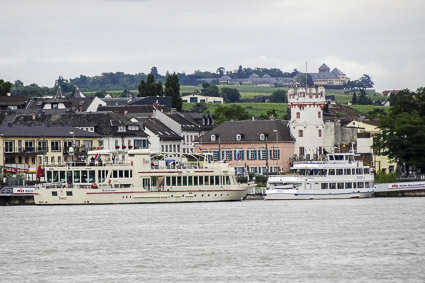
x=298 y=115
x=300 y=133
x=320 y=133
x=319 y=114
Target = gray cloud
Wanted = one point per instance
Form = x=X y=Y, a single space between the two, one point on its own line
x=384 y=39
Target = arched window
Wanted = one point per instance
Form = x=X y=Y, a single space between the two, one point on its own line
x=238 y=137
x=212 y=137
x=262 y=137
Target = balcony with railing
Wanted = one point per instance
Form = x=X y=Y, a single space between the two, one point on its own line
x=78 y=150
x=28 y=150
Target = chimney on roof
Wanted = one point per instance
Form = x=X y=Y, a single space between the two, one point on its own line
x=33 y=116
x=173 y=110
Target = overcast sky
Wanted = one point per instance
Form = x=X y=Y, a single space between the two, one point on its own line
x=44 y=39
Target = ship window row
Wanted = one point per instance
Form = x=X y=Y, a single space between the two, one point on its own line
x=256 y=170
x=122 y=174
x=198 y=180
x=55 y=193
x=333 y=172
x=77 y=176
x=345 y=185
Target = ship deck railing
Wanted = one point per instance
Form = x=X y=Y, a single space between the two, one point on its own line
x=324 y=162
x=183 y=165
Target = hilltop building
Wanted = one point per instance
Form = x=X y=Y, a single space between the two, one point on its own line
x=254 y=79
x=326 y=77
x=197 y=98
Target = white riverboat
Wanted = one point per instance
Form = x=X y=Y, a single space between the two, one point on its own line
x=146 y=177
x=339 y=176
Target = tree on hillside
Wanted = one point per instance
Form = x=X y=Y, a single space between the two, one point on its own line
x=210 y=90
x=32 y=90
x=363 y=99
x=301 y=79
x=269 y=114
x=354 y=99
x=18 y=88
x=100 y=94
x=240 y=72
x=5 y=88
x=200 y=107
x=65 y=85
x=402 y=136
x=231 y=112
x=279 y=96
x=154 y=72
x=150 y=87
x=172 y=88
x=221 y=71
x=366 y=82
x=375 y=113
x=230 y=94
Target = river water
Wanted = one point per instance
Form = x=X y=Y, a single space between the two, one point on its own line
x=360 y=240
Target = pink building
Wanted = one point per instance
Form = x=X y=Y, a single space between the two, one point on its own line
x=243 y=144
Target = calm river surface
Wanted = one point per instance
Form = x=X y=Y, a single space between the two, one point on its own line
x=362 y=240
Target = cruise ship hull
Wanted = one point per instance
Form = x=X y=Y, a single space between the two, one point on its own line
x=316 y=194
x=96 y=196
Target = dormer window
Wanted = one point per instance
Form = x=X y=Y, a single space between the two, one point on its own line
x=238 y=137
x=121 y=128
x=262 y=137
x=212 y=137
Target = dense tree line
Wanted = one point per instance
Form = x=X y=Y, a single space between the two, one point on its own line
x=229 y=94
x=108 y=81
x=120 y=80
x=402 y=136
x=230 y=112
x=279 y=96
x=19 y=89
x=364 y=82
x=156 y=88
x=5 y=88
x=243 y=73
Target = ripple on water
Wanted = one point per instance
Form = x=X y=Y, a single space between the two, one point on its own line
x=370 y=240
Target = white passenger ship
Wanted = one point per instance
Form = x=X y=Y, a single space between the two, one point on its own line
x=145 y=178
x=339 y=176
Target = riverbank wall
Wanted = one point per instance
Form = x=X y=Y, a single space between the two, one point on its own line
x=16 y=200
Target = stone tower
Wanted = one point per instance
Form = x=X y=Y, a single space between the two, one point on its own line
x=307 y=126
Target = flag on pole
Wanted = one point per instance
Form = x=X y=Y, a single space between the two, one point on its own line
x=200 y=150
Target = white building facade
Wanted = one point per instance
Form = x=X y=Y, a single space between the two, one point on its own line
x=307 y=125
